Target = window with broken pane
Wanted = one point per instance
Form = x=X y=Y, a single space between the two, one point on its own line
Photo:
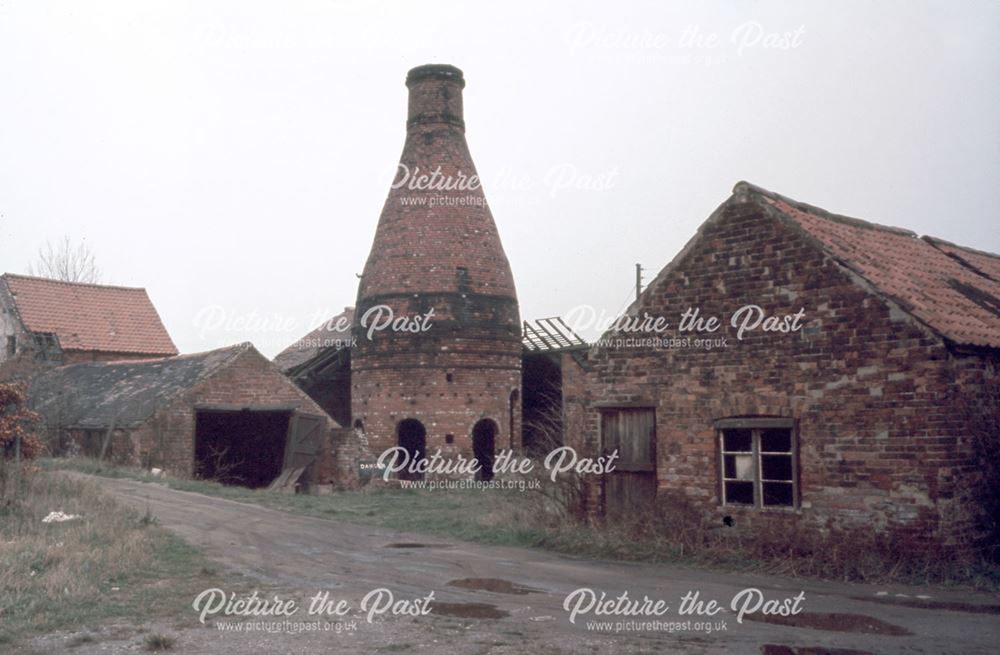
x=758 y=465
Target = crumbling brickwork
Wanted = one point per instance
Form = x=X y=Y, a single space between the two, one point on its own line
x=166 y=440
x=437 y=254
x=890 y=418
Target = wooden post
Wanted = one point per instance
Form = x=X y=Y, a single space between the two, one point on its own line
x=107 y=437
x=17 y=464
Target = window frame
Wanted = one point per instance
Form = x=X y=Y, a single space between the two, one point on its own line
x=756 y=426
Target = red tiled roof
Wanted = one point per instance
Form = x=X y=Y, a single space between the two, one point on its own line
x=958 y=301
x=985 y=263
x=90 y=316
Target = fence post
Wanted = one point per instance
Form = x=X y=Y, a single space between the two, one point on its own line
x=17 y=464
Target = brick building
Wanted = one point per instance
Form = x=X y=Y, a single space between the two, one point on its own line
x=450 y=377
x=47 y=323
x=320 y=363
x=227 y=414
x=878 y=410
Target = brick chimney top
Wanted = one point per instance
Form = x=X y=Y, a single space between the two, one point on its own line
x=435 y=95
x=450 y=243
x=436 y=72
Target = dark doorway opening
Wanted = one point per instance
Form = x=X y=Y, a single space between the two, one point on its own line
x=412 y=438
x=541 y=408
x=242 y=447
x=484 y=435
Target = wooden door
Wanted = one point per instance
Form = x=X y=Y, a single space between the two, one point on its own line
x=305 y=437
x=631 y=487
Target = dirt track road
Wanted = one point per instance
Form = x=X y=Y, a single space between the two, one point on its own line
x=297 y=557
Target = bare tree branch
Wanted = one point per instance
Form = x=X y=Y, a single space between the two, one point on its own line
x=67 y=262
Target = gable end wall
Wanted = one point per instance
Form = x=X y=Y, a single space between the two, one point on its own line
x=883 y=407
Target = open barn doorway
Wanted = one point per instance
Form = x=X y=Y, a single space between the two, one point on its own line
x=240 y=447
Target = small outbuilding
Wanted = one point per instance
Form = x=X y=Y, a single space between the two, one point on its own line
x=228 y=415
x=852 y=382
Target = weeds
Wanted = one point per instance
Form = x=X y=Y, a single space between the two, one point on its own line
x=147 y=519
x=674 y=532
x=75 y=573
x=159 y=642
x=80 y=640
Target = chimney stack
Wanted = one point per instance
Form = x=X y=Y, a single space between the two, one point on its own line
x=435 y=95
x=454 y=384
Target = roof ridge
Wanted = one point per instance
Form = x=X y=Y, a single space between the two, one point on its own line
x=167 y=378
x=747 y=188
x=235 y=350
x=77 y=284
x=936 y=240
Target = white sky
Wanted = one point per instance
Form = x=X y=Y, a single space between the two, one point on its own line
x=233 y=157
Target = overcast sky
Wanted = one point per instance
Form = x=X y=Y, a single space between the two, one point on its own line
x=233 y=157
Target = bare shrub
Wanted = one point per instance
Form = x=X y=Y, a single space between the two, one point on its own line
x=552 y=502
x=215 y=467
x=19 y=443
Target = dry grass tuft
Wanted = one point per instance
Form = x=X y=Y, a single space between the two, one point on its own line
x=158 y=643
x=75 y=573
x=79 y=559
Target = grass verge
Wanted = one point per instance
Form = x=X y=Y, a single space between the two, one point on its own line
x=108 y=564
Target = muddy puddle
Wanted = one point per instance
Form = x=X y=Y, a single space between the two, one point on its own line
x=495 y=585
x=854 y=623
x=920 y=603
x=777 y=649
x=468 y=610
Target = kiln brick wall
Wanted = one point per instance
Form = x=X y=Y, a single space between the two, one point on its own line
x=446 y=257
x=384 y=399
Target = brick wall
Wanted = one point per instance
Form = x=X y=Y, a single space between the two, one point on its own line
x=22 y=364
x=167 y=439
x=446 y=261
x=886 y=412
x=386 y=397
